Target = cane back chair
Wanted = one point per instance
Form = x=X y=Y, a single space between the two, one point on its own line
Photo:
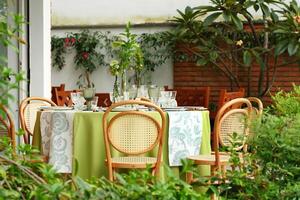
x=7 y=126
x=133 y=134
x=258 y=108
x=227 y=122
x=27 y=113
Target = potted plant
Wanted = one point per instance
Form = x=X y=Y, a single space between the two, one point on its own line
x=226 y=36
x=128 y=55
x=88 y=58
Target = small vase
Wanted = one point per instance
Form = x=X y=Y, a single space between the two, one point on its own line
x=123 y=83
x=88 y=94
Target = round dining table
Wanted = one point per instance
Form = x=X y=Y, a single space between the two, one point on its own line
x=84 y=142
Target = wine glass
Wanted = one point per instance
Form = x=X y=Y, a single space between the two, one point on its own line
x=172 y=101
x=154 y=93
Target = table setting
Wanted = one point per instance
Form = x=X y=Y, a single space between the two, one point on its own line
x=73 y=135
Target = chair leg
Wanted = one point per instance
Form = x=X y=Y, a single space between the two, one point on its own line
x=212 y=170
x=110 y=174
x=213 y=196
x=223 y=171
x=189 y=177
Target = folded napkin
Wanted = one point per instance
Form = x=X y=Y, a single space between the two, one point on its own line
x=185 y=135
x=57 y=139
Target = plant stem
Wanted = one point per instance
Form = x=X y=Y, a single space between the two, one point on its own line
x=29 y=173
x=87 y=75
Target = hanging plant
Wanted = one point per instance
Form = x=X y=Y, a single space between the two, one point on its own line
x=97 y=49
x=58 y=52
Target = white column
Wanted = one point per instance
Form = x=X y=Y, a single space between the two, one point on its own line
x=40 y=48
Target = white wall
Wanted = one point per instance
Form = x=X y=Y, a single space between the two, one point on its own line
x=116 y=12
x=102 y=79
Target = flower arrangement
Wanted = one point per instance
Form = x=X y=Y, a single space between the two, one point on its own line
x=128 y=56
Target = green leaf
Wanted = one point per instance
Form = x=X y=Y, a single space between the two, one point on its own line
x=201 y=62
x=265 y=9
x=281 y=47
x=237 y=22
x=256 y=7
x=247 y=58
x=292 y=47
x=211 y=18
x=274 y=16
x=2 y=173
x=259 y=60
x=227 y=16
x=213 y=55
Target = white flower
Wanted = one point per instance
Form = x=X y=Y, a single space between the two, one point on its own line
x=239 y=43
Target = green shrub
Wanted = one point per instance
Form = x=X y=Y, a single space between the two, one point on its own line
x=272 y=167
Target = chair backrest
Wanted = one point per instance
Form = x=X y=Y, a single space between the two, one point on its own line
x=133 y=132
x=59 y=88
x=188 y=96
x=103 y=99
x=231 y=118
x=7 y=126
x=257 y=106
x=63 y=98
x=228 y=96
x=27 y=113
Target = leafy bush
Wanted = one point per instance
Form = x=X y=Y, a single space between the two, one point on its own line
x=21 y=178
x=272 y=168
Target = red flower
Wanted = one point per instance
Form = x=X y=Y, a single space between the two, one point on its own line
x=67 y=41
x=73 y=40
x=85 y=55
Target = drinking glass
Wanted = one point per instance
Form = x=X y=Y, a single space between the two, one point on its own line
x=172 y=101
x=94 y=103
x=78 y=100
x=164 y=98
x=143 y=91
x=154 y=93
x=132 y=92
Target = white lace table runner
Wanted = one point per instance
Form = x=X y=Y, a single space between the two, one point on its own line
x=185 y=135
x=57 y=139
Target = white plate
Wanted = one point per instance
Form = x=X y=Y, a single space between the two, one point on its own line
x=191 y=108
x=120 y=109
x=55 y=108
x=175 y=109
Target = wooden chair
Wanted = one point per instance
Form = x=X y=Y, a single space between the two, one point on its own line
x=27 y=113
x=187 y=96
x=226 y=123
x=63 y=98
x=133 y=133
x=103 y=99
x=7 y=126
x=258 y=107
x=58 y=88
x=228 y=96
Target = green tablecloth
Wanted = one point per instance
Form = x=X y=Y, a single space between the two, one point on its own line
x=89 y=147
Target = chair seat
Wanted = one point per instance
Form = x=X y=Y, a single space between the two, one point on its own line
x=133 y=162
x=209 y=159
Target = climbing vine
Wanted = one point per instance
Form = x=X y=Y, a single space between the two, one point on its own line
x=94 y=49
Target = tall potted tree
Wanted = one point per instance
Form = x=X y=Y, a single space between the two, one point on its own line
x=128 y=55
x=88 y=58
